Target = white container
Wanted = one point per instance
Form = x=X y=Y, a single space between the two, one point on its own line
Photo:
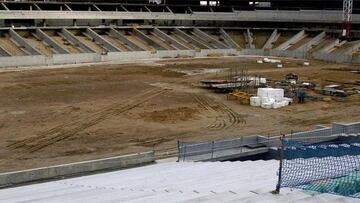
x=285 y=103
x=274 y=61
x=255 y=101
x=277 y=105
x=289 y=100
x=279 y=65
x=259 y=61
x=266 y=60
x=306 y=63
x=266 y=105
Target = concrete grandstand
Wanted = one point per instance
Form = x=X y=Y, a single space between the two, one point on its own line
x=46 y=33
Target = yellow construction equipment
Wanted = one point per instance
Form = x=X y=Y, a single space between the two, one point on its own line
x=242 y=97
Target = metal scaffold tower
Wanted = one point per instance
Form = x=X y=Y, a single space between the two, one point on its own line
x=347 y=18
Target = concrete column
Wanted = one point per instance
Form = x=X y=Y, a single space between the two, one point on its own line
x=249 y=39
x=313 y=42
x=270 y=42
x=293 y=40
x=3 y=52
x=75 y=41
x=23 y=43
x=148 y=40
x=332 y=46
x=190 y=39
x=48 y=40
x=99 y=39
x=169 y=39
x=228 y=39
x=209 y=39
x=129 y=44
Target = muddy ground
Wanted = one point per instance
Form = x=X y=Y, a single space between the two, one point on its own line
x=62 y=115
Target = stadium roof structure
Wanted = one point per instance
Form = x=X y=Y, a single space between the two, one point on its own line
x=170 y=181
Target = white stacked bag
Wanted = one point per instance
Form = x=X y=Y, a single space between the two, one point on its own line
x=270 y=98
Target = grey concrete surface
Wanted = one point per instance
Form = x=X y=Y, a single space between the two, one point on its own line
x=75 y=41
x=190 y=39
x=312 y=43
x=23 y=43
x=100 y=40
x=273 y=37
x=313 y=16
x=169 y=39
x=129 y=44
x=294 y=39
x=78 y=168
x=48 y=40
x=228 y=39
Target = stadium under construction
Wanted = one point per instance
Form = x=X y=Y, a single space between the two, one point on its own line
x=159 y=101
x=47 y=33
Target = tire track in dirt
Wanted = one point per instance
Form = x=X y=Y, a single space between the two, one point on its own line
x=68 y=129
x=225 y=116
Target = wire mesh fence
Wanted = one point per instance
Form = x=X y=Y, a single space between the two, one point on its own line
x=331 y=166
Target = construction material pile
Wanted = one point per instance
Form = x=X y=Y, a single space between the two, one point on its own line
x=270 y=98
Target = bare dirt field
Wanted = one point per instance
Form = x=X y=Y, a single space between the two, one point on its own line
x=62 y=115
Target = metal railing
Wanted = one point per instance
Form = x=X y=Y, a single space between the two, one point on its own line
x=207 y=150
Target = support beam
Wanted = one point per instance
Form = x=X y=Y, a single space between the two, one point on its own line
x=37 y=7
x=48 y=40
x=332 y=46
x=123 y=7
x=147 y=39
x=3 y=52
x=97 y=8
x=270 y=42
x=167 y=7
x=67 y=7
x=312 y=43
x=353 y=48
x=293 y=40
x=23 y=43
x=209 y=39
x=146 y=8
x=100 y=40
x=75 y=41
x=4 y=6
x=190 y=39
x=169 y=39
x=228 y=39
x=249 y=40
x=129 y=44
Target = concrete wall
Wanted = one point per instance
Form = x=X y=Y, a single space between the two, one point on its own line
x=86 y=17
x=110 y=57
x=117 y=57
x=18 y=177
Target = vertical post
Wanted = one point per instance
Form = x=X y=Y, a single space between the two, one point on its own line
x=212 y=149
x=178 y=147
x=242 y=144
x=184 y=152
x=281 y=157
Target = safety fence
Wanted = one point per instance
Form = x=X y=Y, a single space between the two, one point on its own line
x=255 y=144
x=331 y=167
